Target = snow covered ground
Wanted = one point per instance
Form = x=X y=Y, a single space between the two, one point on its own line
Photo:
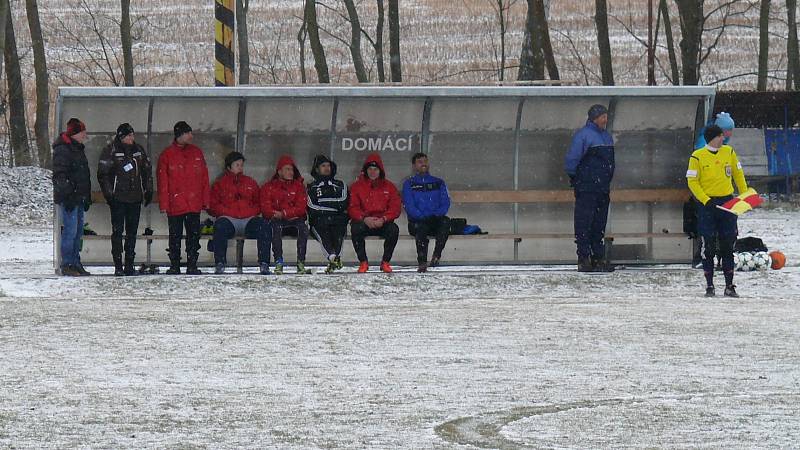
x=498 y=358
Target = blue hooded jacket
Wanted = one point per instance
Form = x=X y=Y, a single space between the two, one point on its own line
x=425 y=196
x=590 y=159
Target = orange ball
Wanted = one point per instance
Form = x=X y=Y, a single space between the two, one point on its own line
x=778 y=259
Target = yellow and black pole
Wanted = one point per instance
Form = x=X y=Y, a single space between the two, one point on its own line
x=223 y=49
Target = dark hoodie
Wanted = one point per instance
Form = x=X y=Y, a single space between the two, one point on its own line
x=374 y=198
x=124 y=172
x=288 y=196
x=72 y=183
x=327 y=197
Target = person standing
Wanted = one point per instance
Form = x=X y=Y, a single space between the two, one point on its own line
x=235 y=202
x=72 y=192
x=426 y=201
x=283 y=204
x=710 y=176
x=125 y=176
x=589 y=163
x=374 y=206
x=183 y=192
x=328 y=199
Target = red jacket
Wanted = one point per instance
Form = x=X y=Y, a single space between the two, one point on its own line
x=182 y=180
x=377 y=198
x=235 y=196
x=281 y=195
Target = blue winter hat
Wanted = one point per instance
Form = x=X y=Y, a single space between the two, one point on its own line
x=596 y=111
x=725 y=121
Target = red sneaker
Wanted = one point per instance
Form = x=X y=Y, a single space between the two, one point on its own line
x=363 y=267
x=385 y=267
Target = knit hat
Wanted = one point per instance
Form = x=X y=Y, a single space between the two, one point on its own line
x=181 y=128
x=75 y=126
x=596 y=111
x=124 y=130
x=725 y=121
x=231 y=158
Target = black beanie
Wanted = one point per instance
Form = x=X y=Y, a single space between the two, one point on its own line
x=596 y=111
x=75 y=126
x=712 y=132
x=181 y=128
x=124 y=130
x=231 y=158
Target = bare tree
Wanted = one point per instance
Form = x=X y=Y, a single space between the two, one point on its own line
x=355 y=42
x=41 y=126
x=601 y=22
x=501 y=9
x=320 y=63
x=242 y=8
x=302 y=35
x=531 y=60
x=378 y=44
x=547 y=46
x=394 y=41
x=127 y=41
x=18 y=128
x=692 y=21
x=763 y=45
x=4 y=12
x=673 y=60
x=792 y=51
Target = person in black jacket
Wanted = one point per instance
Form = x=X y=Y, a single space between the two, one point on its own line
x=126 y=179
x=328 y=199
x=72 y=192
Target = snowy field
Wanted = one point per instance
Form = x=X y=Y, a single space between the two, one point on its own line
x=457 y=358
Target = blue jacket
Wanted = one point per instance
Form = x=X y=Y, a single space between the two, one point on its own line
x=590 y=159
x=425 y=196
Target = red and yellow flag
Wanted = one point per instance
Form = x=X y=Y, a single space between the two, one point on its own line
x=746 y=201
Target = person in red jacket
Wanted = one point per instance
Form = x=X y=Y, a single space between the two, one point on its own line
x=283 y=203
x=235 y=203
x=183 y=192
x=374 y=206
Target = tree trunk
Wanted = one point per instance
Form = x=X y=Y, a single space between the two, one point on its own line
x=531 y=62
x=763 y=46
x=692 y=20
x=502 y=18
x=394 y=41
x=547 y=47
x=242 y=8
x=355 y=42
x=301 y=39
x=379 y=43
x=316 y=45
x=41 y=126
x=601 y=22
x=673 y=59
x=16 y=100
x=127 y=42
x=4 y=12
x=792 y=51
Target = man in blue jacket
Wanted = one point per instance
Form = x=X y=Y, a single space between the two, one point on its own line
x=426 y=202
x=590 y=166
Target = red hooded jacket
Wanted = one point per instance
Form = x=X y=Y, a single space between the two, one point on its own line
x=378 y=198
x=282 y=195
x=182 y=180
x=235 y=196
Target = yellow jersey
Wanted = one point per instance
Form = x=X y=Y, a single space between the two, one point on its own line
x=711 y=174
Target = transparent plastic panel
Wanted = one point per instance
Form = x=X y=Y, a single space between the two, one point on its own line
x=473 y=161
x=104 y=115
x=557 y=113
x=474 y=114
x=541 y=159
x=642 y=113
x=652 y=159
x=286 y=115
x=204 y=115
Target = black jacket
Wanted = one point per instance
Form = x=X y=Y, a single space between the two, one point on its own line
x=125 y=173
x=328 y=197
x=72 y=183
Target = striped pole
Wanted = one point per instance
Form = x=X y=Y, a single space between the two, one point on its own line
x=223 y=49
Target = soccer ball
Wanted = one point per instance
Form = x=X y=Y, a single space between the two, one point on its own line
x=762 y=260
x=746 y=262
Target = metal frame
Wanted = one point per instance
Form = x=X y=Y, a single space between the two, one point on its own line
x=704 y=95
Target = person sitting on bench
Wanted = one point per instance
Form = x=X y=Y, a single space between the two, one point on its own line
x=327 y=210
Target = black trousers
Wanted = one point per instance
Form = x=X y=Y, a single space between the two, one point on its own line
x=389 y=232
x=591 y=215
x=330 y=237
x=124 y=219
x=191 y=222
x=436 y=226
x=278 y=226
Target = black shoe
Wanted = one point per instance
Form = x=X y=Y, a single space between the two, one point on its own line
x=70 y=271
x=81 y=270
x=710 y=291
x=193 y=270
x=219 y=269
x=585 y=265
x=434 y=261
x=130 y=268
x=602 y=265
x=118 y=271
x=422 y=267
x=174 y=269
x=730 y=291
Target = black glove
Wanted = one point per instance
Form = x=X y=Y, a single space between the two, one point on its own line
x=148 y=198
x=572 y=181
x=87 y=203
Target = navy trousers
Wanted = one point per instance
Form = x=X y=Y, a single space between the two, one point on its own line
x=718 y=230
x=591 y=216
x=257 y=228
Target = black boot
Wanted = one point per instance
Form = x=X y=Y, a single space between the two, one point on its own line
x=118 y=272
x=585 y=265
x=730 y=291
x=602 y=265
x=174 y=266
x=191 y=266
x=130 y=268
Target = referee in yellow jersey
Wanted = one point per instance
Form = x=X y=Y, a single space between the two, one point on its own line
x=712 y=171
